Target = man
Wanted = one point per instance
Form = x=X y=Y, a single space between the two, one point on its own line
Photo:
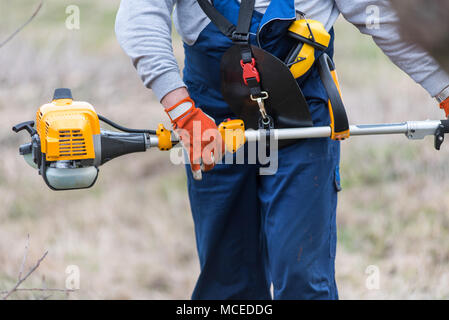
x=256 y=230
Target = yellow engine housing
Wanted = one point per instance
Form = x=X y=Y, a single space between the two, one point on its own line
x=67 y=130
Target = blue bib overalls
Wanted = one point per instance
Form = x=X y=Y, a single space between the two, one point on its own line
x=253 y=230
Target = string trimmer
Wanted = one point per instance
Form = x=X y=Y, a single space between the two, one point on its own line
x=68 y=145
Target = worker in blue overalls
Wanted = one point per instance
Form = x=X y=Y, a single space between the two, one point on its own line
x=254 y=230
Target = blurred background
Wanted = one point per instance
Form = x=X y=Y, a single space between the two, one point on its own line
x=131 y=235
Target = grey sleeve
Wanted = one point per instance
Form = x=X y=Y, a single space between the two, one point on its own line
x=409 y=57
x=143 y=29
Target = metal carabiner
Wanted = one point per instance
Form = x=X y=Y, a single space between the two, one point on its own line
x=260 y=101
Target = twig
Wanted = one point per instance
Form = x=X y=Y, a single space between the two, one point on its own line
x=41 y=290
x=23 y=25
x=34 y=268
x=26 y=276
x=27 y=245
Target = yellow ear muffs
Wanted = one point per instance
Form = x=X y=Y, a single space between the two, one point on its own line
x=311 y=36
x=303 y=60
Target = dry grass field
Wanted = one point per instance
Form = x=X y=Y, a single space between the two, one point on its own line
x=132 y=234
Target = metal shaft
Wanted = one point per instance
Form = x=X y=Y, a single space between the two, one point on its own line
x=414 y=130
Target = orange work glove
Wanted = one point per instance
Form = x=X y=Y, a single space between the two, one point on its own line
x=445 y=106
x=198 y=134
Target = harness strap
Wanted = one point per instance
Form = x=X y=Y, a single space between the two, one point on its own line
x=339 y=119
x=245 y=16
x=240 y=36
x=223 y=24
x=236 y=34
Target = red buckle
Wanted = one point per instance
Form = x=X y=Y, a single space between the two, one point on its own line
x=250 y=71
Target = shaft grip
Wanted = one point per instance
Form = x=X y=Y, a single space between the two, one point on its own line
x=114 y=145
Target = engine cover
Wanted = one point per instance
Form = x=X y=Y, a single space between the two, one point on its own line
x=68 y=130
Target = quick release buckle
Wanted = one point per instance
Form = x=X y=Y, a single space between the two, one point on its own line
x=250 y=71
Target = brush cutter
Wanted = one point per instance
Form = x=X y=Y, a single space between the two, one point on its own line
x=68 y=145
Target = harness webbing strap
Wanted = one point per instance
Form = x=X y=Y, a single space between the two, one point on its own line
x=340 y=119
x=245 y=16
x=239 y=36
x=223 y=24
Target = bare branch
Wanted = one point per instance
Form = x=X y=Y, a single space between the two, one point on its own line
x=41 y=290
x=24 y=258
x=23 y=25
x=20 y=280
x=26 y=276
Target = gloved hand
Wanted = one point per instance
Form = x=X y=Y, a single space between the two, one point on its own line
x=445 y=106
x=198 y=134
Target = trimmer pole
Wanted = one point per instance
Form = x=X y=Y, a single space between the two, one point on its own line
x=413 y=130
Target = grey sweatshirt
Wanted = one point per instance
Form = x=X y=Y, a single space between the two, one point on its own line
x=143 y=29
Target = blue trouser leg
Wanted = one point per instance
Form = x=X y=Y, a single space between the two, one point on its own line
x=296 y=210
x=227 y=226
x=299 y=205
x=252 y=230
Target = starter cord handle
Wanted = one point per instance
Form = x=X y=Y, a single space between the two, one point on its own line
x=27 y=125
